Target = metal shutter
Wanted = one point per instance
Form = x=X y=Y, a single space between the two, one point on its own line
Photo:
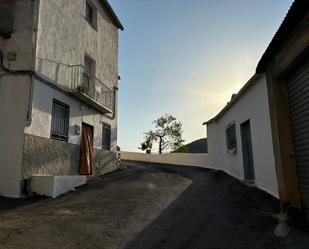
x=298 y=93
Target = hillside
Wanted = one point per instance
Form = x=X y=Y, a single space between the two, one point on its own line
x=197 y=146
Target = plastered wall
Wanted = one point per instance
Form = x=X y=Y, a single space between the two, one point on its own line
x=14 y=95
x=253 y=106
x=65 y=37
x=43 y=96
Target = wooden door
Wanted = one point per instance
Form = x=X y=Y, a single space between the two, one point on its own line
x=86 y=150
x=247 y=150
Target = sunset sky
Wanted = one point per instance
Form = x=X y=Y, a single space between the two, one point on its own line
x=186 y=58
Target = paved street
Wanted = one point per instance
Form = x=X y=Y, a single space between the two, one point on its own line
x=148 y=207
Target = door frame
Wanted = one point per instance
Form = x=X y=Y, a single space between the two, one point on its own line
x=284 y=151
x=246 y=140
x=92 y=148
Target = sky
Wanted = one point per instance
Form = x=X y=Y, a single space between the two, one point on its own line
x=186 y=58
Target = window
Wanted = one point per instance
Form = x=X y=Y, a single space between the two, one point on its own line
x=106 y=137
x=230 y=133
x=60 y=121
x=91 y=14
x=87 y=75
x=88 y=64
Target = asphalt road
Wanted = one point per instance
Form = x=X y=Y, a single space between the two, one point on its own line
x=146 y=206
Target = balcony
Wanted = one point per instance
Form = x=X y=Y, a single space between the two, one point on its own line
x=89 y=89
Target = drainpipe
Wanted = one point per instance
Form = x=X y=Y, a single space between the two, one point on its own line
x=30 y=73
x=34 y=48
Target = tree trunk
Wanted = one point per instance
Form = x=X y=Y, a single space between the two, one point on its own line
x=160 y=146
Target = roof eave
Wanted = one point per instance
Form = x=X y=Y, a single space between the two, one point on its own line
x=296 y=13
x=112 y=14
x=241 y=92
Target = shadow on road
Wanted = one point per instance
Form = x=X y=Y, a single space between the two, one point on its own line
x=215 y=212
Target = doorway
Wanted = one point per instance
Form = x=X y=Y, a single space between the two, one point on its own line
x=86 y=150
x=247 y=151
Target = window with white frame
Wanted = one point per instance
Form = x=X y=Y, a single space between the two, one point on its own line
x=60 y=121
x=106 y=137
x=230 y=135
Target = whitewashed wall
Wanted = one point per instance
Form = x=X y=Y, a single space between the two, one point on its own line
x=253 y=106
x=14 y=97
x=43 y=96
x=186 y=159
x=65 y=37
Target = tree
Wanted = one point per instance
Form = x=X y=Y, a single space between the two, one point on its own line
x=147 y=145
x=167 y=133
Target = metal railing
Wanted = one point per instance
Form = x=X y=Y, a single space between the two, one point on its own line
x=86 y=83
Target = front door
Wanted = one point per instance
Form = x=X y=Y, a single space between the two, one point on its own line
x=86 y=150
x=247 y=150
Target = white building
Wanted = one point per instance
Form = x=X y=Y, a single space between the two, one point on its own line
x=58 y=90
x=239 y=137
x=272 y=110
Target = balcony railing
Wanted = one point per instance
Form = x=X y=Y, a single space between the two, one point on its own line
x=87 y=87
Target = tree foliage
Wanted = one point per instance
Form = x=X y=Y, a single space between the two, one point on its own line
x=147 y=145
x=167 y=133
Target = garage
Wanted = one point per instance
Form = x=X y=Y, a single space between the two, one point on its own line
x=298 y=98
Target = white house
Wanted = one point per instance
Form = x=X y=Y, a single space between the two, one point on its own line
x=58 y=90
x=263 y=133
x=239 y=137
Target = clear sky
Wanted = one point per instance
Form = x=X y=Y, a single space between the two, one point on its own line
x=186 y=58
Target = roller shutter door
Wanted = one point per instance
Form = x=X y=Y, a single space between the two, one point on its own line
x=298 y=93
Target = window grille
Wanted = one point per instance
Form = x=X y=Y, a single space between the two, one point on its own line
x=230 y=133
x=60 y=121
x=106 y=137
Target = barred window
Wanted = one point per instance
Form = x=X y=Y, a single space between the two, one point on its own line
x=106 y=137
x=230 y=133
x=60 y=121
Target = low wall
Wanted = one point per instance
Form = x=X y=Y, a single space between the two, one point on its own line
x=190 y=159
x=187 y=159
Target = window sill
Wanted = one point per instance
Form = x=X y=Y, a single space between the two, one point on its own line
x=60 y=139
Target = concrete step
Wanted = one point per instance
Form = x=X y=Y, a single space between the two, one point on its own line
x=53 y=186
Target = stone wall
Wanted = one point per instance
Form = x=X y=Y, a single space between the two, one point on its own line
x=44 y=156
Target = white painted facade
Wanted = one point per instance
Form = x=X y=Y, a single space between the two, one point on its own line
x=43 y=96
x=48 y=37
x=14 y=97
x=253 y=106
x=64 y=39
